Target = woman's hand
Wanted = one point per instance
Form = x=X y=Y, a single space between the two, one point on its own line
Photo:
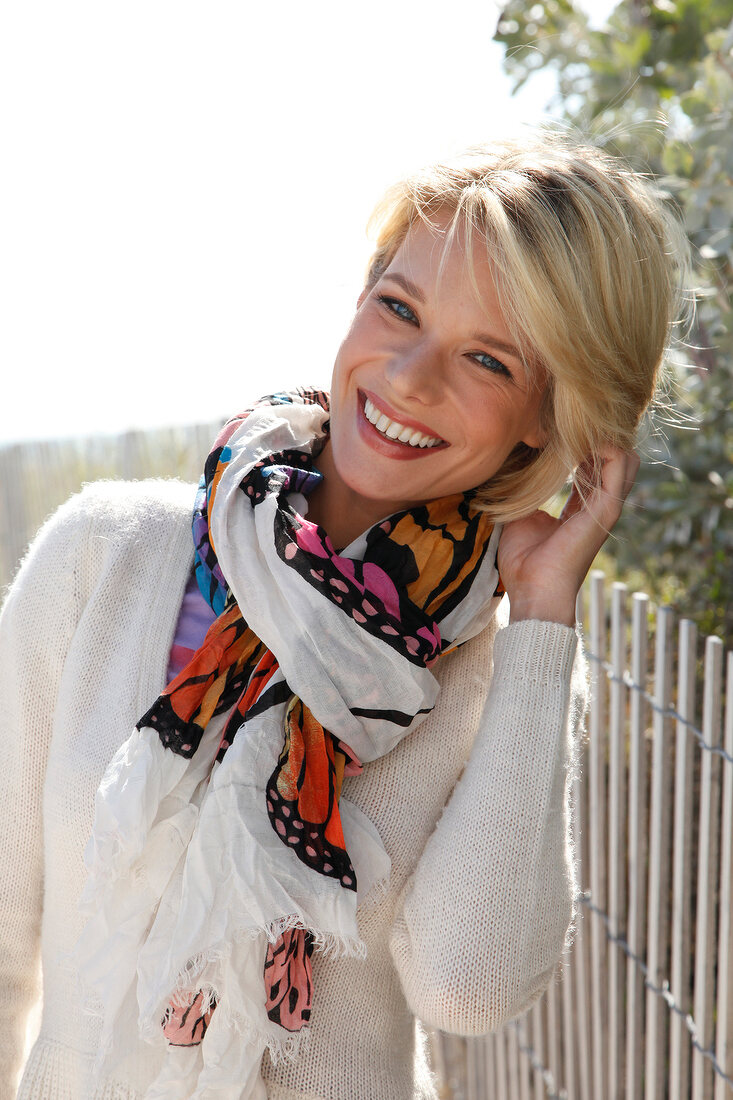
x=543 y=561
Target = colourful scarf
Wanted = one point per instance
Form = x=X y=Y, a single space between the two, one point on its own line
x=222 y=855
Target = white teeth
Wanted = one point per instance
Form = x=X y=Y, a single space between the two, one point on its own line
x=394 y=430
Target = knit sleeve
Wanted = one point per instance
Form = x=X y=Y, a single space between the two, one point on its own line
x=486 y=914
x=36 y=625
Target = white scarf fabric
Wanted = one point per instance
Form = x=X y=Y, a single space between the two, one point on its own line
x=188 y=879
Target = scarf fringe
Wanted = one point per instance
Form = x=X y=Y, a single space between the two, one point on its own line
x=376 y=893
x=327 y=944
x=288 y=1049
x=280 y=1048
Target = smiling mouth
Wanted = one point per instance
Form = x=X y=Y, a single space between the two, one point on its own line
x=399 y=433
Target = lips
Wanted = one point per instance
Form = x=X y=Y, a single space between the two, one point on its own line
x=399 y=433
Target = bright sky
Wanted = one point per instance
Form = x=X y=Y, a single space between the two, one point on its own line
x=186 y=186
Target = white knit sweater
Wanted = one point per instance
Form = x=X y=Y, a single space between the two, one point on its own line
x=480 y=899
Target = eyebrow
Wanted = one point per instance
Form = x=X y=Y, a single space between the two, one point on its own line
x=406 y=284
x=500 y=345
x=481 y=337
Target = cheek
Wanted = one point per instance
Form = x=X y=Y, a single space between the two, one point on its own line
x=343 y=367
x=494 y=433
x=339 y=381
x=342 y=408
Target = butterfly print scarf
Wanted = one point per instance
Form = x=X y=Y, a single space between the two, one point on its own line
x=222 y=854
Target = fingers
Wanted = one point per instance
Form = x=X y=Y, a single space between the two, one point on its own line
x=610 y=478
x=572 y=505
x=617 y=475
x=632 y=469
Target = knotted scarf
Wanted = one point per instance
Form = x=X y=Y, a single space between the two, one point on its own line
x=222 y=854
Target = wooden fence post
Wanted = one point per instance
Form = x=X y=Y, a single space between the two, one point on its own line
x=616 y=841
x=657 y=935
x=637 y=849
x=597 y=799
x=681 y=962
x=724 y=1027
x=702 y=1077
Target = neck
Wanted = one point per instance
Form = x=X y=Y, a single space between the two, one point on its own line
x=342 y=513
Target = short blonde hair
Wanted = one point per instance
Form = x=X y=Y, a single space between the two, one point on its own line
x=589 y=264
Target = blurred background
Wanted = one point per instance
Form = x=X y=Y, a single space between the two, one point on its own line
x=185 y=195
x=187 y=190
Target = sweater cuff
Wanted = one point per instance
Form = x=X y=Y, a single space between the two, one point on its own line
x=535 y=652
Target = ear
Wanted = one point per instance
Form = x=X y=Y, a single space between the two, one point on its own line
x=537 y=431
x=534 y=436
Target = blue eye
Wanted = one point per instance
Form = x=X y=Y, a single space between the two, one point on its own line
x=394 y=305
x=490 y=363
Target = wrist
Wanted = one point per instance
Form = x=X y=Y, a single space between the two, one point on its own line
x=546 y=609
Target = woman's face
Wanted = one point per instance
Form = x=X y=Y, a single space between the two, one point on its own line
x=429 y=395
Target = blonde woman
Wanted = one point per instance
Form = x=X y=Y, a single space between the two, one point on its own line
x=346 y=803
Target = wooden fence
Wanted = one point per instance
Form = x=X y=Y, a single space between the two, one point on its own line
x=36 y=477
x=643 y=1002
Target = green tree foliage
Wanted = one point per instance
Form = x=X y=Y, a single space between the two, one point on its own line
x=656 y=85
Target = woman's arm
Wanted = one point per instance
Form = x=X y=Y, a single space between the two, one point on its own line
x=486 y=914
x=36 y=626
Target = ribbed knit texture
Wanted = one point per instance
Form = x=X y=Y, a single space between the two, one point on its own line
x=480 y=898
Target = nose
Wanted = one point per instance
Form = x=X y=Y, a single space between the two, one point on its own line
x=417 y=372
